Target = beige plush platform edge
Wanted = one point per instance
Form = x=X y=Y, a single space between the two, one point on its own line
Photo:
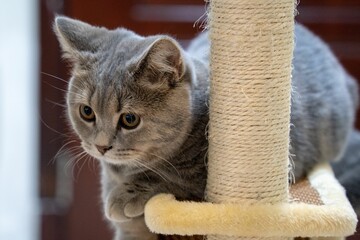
x=334 y=218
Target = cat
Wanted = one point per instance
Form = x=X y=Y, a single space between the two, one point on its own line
x=140 y=106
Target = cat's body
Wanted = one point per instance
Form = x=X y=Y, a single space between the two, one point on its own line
x=139 y=105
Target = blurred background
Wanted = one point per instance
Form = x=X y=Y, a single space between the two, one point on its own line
x=43 y=195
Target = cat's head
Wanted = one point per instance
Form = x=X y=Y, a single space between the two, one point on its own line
x=129 y=97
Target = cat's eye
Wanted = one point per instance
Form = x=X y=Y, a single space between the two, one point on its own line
x=129 y=121
x=87 y=113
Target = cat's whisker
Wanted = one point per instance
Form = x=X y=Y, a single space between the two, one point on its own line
x=159 y=138
x=80 y=155
x=89 y=159
x=60 y=79
x=62 y=151
x=53 y=76
x=93 y=161
x=60 y=137
x=162 y=175
x=166 y=161
x=141 y=170
x=78 y=158
x=52 y=129
x=55 y=87
x=78 y=97
x=83 y=158
x=77 y=94
x=73 y=161
x=74 y=150
x=67 y=91
x=56 y=104
x=182 y=132
x=67 y=143
x=73 y=170
x=69 y=164
x=173 y=130
x=72 y=158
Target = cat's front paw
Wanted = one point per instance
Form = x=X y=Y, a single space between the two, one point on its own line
x=125 y=203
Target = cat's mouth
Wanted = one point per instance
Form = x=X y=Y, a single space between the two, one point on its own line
x=120 y=157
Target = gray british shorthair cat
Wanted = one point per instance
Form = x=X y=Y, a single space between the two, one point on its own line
x=140 y=106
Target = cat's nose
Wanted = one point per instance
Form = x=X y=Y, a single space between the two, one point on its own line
x=103 y=149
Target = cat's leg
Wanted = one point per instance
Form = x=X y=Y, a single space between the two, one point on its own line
x=135 y=229
x=124 y=207
x=127 y=201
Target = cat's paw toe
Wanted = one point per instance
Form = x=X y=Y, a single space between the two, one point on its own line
x=134 y=208
x=125 y=203
x=114 y=211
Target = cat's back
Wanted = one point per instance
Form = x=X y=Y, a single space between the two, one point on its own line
x=199 y=47
x=317 y=76
x=315 y=68
x=321 y=87
x=324 y=99
x=323 y=102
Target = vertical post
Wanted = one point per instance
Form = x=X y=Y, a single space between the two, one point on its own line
x=251 y=54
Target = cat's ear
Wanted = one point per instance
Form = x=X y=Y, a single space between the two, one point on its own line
x=162 y=63
x=77 y=38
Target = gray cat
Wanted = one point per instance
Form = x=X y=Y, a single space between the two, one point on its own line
x=139 y=105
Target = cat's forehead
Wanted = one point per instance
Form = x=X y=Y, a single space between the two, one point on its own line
x=124 y=46
x=119 y=55
x=106 y=99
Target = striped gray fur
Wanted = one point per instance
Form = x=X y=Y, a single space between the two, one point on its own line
x=118 y=71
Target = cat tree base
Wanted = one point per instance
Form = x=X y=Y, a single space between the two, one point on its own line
x=318 y=208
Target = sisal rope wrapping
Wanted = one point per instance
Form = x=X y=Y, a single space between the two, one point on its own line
x=251 y=53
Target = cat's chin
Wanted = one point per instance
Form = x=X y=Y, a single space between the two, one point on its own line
x=110 y=160
x=117 y=162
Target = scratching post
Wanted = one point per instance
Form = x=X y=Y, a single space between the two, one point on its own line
x=251 y=56
x=247 y=189
x=251 y=53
